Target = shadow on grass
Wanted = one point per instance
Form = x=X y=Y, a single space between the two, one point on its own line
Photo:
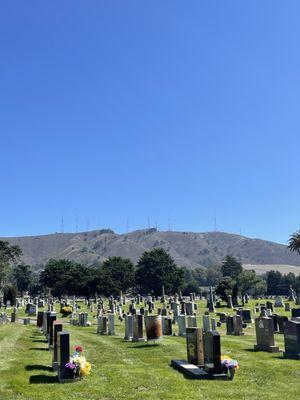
x=40 y=341
x=39 y=348
x=38 y=367
x=144 y=346
x=284 y=358
x=253 y=350
x=46 y=379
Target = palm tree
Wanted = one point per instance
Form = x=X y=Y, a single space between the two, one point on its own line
x=294 y=242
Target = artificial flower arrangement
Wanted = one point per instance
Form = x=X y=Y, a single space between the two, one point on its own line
x=78 y=367
x=66 y=310
x=229 y=365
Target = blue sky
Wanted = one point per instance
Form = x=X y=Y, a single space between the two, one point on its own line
x=172 y=111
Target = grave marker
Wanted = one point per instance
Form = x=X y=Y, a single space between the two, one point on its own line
x=264 y=329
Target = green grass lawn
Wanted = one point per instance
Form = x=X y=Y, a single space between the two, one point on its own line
x=123 y=370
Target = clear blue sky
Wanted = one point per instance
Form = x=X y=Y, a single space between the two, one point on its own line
x=129 y=110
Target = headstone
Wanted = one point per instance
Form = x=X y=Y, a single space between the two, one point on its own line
x=229 y=302
x=292 y=340
x=275 y=324
x=44 y=327
x=287 y=307
x=111 y=324
x=263 y=312
x=211 y=306
x=102 y=326
x=164 y=312
x=182 y=308
x=229 y=325
x=63 y=353
x=39 y=321
x=189 y=307
x=138 y=324
x=281 y=321
x=83 y=319
x=52 y=318
x=212 y=352
x=246 y=315
x=32 y=310
x=238 y=325
x=128 y=327
x=166 y=324
x=58 y=327
x=41 y=304
x=194 y=344
x=13 y=317
x=163 y=296
x=268 y=312
x=153 y=327
x=206 y=323
x=191 y=321
x=181 y=320
x=278 y=302
x=176 y=309
x=265 y=335
x=222 y=317
x=295 y=312
x=213 y=324
x=269 y=305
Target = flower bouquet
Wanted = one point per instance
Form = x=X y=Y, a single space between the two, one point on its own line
x=229 y=366
x=78 y=367
x=66 y=310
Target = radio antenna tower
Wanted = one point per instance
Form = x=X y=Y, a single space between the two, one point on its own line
x=76 y=223
x=62 y=224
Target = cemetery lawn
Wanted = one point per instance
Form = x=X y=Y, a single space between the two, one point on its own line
x=124 y=370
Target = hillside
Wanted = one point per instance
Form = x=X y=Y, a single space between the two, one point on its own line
x=187 y=248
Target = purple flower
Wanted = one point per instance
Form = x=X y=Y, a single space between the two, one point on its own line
x=71 y=365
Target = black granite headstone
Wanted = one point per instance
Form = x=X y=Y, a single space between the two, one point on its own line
x=63 y=353
x=212 y=352
x=295 y=312
x=292 y=340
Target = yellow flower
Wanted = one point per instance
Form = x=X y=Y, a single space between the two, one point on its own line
x=86 y=369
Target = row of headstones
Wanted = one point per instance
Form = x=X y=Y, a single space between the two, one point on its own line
x=156 y=326
x=269 y=306
x=58 y=342
x=81 y=320
x=134 y=325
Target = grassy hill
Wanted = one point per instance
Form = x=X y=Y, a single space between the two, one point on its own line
x=187 y=248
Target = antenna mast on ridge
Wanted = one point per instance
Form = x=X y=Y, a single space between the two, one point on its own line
x=76 y=223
